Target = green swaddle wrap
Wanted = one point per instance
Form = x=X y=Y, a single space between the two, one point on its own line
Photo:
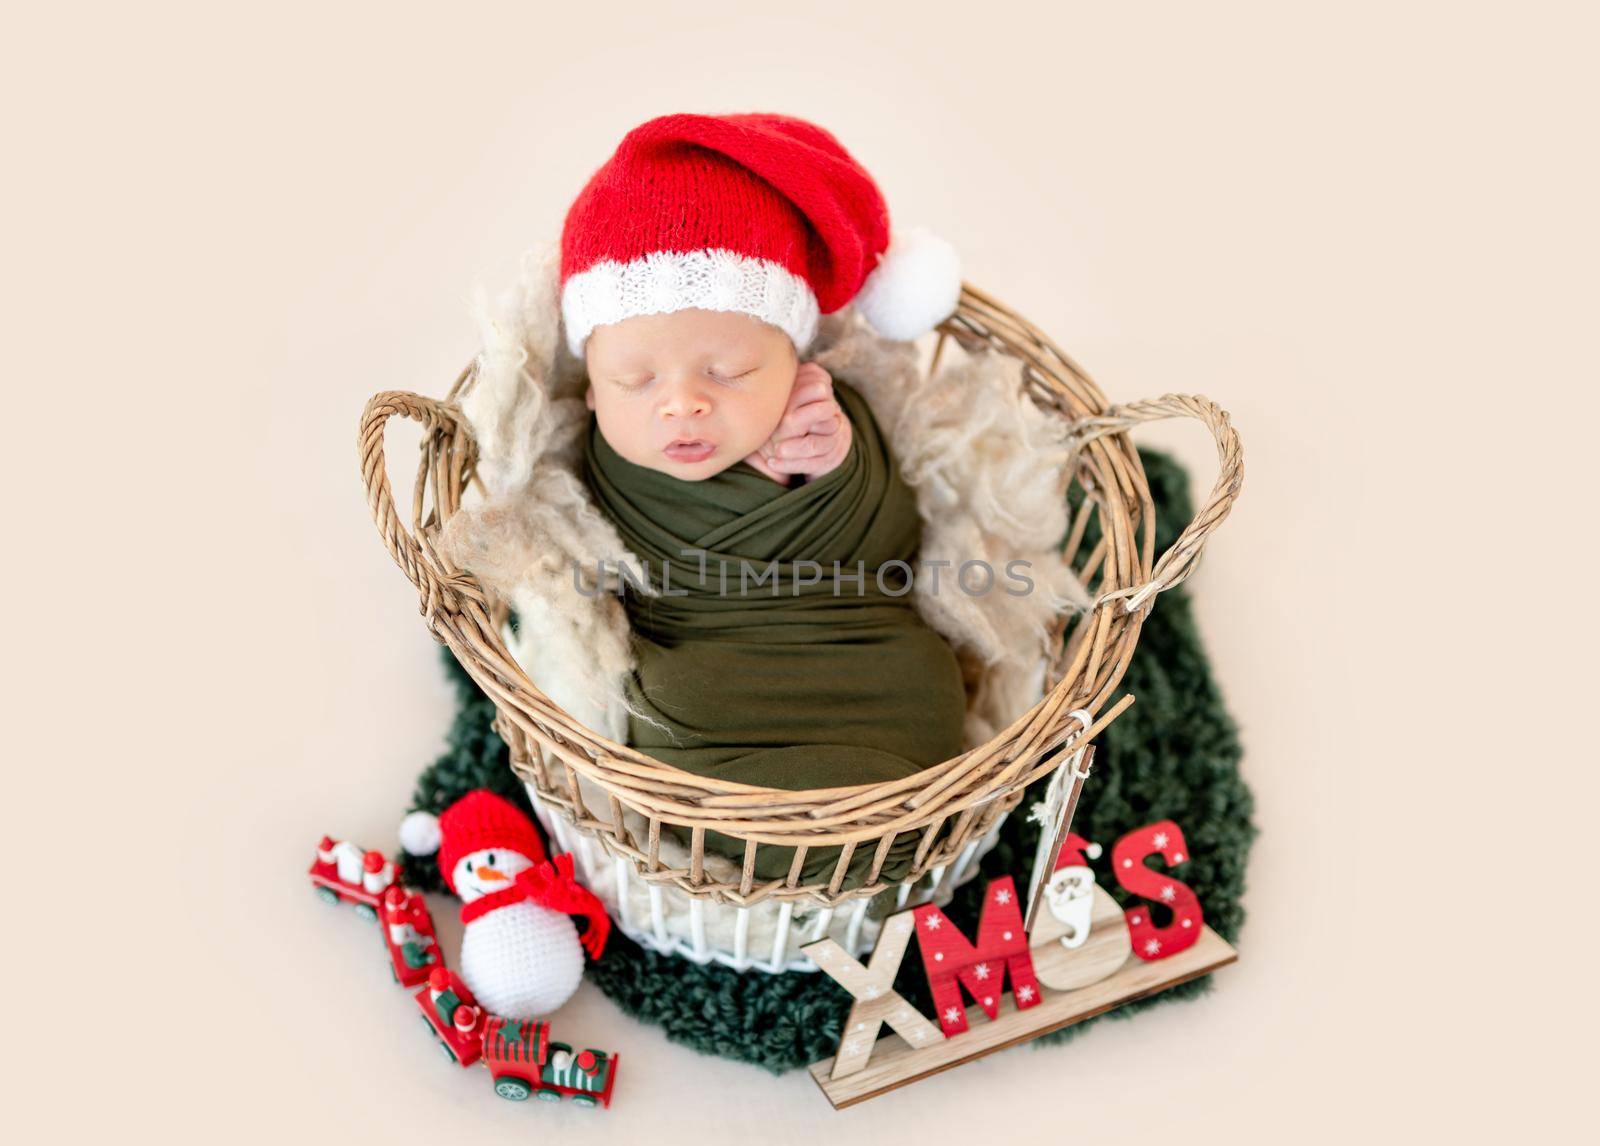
x=803 y=681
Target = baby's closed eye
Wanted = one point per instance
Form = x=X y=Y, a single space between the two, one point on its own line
x=730 y=376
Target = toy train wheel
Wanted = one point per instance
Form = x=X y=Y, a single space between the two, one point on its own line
x=327 y=895
x=583 y=1100
x=367 y=912
x=547 y=1096
x=514 y=1089
x=434 y=1035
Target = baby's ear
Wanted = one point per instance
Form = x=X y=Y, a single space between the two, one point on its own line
x=588 y=396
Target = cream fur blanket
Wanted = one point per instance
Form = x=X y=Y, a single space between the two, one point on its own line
x=985 y=462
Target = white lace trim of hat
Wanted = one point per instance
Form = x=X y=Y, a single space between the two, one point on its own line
x=665 y=281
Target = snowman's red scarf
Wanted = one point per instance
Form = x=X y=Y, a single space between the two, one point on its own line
x=550 y=885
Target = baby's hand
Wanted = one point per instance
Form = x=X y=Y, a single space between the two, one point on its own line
x=814 y=435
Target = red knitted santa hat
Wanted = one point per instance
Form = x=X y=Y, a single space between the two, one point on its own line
x=478 y=821
x=763 y=214
x=1072 y=852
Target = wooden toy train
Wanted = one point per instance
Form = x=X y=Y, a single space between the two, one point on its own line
x=520 y=1056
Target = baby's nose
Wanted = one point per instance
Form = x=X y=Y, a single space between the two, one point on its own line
x=685 y=402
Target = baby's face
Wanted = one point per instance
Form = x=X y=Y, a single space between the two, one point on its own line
x=716 y=380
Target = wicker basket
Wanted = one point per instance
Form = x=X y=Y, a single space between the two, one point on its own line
x=955 y=807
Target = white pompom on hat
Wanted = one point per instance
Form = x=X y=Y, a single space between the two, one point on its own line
x=914 y=287
x=419 y=833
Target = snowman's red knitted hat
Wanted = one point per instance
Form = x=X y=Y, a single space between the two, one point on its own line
x=763 y=214
x=479 y=821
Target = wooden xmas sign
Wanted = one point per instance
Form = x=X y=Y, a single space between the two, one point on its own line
x=1071 y=966
x=895 y=1062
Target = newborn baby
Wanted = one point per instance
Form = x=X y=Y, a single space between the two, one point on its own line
x=782 y=649
x=798 y=681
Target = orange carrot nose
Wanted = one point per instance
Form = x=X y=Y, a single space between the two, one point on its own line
x=490 y=874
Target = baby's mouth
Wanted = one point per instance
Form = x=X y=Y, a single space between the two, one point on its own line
x=690 y=450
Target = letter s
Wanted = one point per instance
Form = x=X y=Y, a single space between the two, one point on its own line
x=1127 y=863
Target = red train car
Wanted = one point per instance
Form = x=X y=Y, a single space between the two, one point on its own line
x=524 y=1062
x=515 y=1054
x=408 y=934
x=453 y=1016
x=343 y=873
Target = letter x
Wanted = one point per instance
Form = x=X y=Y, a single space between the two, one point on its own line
x=872 y=987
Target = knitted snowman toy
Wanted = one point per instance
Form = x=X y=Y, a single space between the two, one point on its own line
x=520 y=952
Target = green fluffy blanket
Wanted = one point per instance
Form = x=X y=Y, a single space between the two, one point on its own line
x=762 y=668
x=1174 y=754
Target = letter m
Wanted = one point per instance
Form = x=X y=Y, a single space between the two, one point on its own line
x=1002 y=948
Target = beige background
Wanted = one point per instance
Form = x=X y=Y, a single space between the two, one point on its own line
x=1366 y=229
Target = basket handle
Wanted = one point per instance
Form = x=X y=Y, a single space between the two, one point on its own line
x=439 y=583
x=1179 y=561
